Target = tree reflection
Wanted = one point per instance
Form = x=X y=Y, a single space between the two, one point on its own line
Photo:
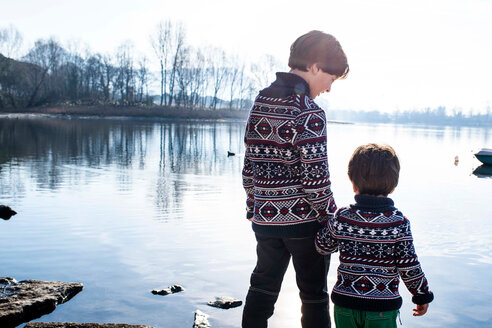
x=197 y=150
x=73 y=153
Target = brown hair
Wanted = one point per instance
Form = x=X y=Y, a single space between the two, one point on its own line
x=319 y=48
x=374 y=169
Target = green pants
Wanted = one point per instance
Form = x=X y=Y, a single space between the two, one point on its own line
x=348 y=318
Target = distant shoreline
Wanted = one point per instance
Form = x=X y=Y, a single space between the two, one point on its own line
x=138 y=113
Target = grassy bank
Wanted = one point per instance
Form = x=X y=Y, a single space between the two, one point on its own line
x=136 y=111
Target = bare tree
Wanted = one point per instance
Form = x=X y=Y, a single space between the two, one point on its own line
x=247 y=89
x=106 y=77
x=234 y=71
x=46 y=55
x=74 y=70
x=184 y=77
x=218 y=72
x=198 y=85
x=161 y=43
x=143 y=79
x=242 y=86
x=10 y=41
x=177 y=45
x=264 y=69
x=126 y=72
x=92 y=76
x=168 y=43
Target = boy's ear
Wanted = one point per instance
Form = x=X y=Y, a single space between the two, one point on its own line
x=356 y=190
x=314 y=69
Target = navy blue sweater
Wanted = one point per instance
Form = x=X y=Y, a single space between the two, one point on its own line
x=285 y=172
x=376 y=249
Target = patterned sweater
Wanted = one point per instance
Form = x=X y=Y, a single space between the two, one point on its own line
x=285 y=172
x=376 y=248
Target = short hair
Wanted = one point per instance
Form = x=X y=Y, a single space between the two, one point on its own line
x=319 y=48
x=374 y=169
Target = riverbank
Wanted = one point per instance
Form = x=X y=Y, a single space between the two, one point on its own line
x=136 y=112
x=140 y=112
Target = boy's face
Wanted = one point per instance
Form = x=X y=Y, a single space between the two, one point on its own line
x=320 y=81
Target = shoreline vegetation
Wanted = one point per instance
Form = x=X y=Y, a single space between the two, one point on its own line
x=182 y=81
x=135 y=112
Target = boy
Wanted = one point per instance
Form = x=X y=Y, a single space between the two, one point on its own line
x=287 y=182
x=375 y=245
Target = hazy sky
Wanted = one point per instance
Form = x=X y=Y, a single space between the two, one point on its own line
x=402 y=54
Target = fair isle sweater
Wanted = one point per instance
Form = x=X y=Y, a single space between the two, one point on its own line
x=376 y=249
x=285 y=172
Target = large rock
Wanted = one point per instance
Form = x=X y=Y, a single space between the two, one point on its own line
x=201 y=320
x=81 y=325
x=30 y=299
x=225 y=302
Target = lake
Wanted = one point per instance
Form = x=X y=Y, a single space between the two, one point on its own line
x=127 y=206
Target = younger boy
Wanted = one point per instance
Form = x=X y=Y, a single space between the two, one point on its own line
x=375 y=245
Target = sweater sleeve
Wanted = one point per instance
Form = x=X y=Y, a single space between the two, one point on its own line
x=310 y=142
x=326 y=241
x=248 y=187
x=409 y=267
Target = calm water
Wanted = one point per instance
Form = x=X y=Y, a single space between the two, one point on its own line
x=128 y=206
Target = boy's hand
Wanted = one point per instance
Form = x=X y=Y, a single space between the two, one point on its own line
x=420 y=310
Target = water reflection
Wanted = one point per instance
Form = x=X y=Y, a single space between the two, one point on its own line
x=483 y=171
x=58 y=152
x=128 y=206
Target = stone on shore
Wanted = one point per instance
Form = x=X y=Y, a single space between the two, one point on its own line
x=81 y=325
x=170 y=290
x=30 y=299
x=201 y=320
x=225 y=302
x=6 y=212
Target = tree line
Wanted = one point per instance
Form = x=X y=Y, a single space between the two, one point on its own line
x=178 y=75
x=428 y=116
x=188 y=76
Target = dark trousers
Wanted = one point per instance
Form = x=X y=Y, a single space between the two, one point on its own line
x=311 y=271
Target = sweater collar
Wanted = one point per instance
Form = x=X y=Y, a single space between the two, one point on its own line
x=286 y=85
x=373 y=202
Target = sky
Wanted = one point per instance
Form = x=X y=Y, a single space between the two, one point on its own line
x=403 y=55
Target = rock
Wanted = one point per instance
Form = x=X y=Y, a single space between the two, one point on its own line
x=201 y=320
x=6 y=212
x=30 y=299
x=81 y=325
x=225 y=302
x=4 y=281
x=170 y=290
x=176 y=288
x=162 y=291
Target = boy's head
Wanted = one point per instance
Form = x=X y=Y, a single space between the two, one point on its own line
x=318 y=48
x=374 y=169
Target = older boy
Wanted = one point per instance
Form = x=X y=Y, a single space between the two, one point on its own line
x=287 y=181
x=375 y=245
